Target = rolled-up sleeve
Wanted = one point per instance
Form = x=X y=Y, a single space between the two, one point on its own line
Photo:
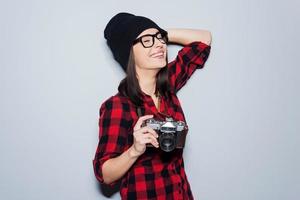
x=191 y=57
x=113 y=134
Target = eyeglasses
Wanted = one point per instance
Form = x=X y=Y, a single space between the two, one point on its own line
x=148 y=39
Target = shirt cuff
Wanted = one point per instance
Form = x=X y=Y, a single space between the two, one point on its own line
x=98 y=164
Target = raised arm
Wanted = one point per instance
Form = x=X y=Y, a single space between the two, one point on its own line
x=186 y=36
x=191 y=57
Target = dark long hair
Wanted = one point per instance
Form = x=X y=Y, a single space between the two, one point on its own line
x=130 y=87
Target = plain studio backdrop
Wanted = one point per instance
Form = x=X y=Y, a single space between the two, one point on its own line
x=242 y=107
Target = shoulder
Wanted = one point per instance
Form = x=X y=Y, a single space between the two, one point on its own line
x=115 y=111
x=116 y=102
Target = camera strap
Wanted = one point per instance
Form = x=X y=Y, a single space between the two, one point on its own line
x=140 y=111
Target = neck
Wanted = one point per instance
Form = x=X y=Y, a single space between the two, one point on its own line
x=147 y=81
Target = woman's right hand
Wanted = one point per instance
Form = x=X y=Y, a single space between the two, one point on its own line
x=142 y=136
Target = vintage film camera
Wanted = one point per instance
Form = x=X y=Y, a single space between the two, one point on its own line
x=171 y=134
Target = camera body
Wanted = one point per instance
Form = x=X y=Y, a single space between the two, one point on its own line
x=171 y=134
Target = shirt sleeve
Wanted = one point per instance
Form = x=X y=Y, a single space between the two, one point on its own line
x=191 y=57
x=113 y=133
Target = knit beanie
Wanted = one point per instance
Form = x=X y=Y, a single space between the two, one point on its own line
x=120 y=32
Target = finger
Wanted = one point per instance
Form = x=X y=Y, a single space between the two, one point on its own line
x=150 y=136
x=150 y=141
x=149 y=130
x=147 y=135
x=141 y=120
x=140 y=137
x=154 y=133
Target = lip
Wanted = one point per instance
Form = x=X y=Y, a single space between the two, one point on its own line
x=159 y=54
x=158 y=57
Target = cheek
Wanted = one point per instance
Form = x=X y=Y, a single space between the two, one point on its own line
x=142 y=59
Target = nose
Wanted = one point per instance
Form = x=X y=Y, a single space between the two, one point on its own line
x=157 y=42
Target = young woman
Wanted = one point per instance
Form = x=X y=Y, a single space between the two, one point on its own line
x=151 y=83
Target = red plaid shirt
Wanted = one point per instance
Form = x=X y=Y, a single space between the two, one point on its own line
x=155 y=174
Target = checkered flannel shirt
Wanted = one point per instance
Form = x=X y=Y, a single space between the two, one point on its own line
x=155 y=174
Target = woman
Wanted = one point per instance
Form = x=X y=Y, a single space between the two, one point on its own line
x=151 y=83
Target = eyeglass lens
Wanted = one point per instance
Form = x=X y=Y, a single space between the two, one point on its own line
x=148 y=40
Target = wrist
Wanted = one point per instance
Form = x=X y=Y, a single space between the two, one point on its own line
x=132 y=153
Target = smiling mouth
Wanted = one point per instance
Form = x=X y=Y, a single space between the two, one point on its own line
x=159 y=56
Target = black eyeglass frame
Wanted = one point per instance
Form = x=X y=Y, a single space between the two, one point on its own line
x=163 y=35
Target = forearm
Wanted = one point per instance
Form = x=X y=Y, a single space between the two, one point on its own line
x=114 y=168
x=186 y=36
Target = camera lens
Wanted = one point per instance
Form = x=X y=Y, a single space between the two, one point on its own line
x=167 y=142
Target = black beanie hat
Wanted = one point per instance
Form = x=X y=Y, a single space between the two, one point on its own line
x=120 y=32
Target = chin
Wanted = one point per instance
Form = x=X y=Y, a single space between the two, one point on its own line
x=156 y=63
x=159 y=64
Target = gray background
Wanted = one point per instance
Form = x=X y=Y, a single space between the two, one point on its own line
x=242 y=108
